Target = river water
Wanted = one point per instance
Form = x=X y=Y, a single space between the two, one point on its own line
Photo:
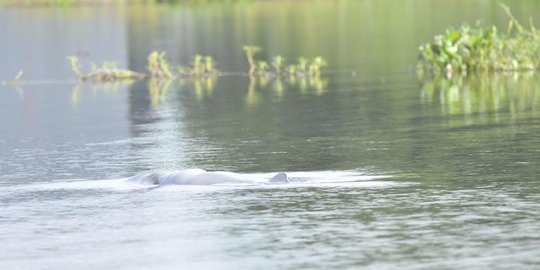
x=404 y=172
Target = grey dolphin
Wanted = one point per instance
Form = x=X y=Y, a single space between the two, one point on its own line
x=202 y=177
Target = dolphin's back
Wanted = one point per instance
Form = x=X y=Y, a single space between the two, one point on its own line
x=279 y=178
x=202 y=177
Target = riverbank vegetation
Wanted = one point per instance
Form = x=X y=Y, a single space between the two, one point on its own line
x=482 y=49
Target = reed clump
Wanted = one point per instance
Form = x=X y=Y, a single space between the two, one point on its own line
x=482 y=49
x=278 y=66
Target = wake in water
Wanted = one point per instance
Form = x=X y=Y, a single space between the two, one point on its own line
x=202 y=177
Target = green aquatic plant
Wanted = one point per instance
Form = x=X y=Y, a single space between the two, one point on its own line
x=302 y=65
x=108 y=71
x=210 y=65
x=278 y=62
x=476 y=49
x=292 y=70
x=75 y=65
x=317 y=64
x=200 y=66
x=158 y=66
x=263 y=67
x=251 y=51
x=278 y=65
x=306 y=67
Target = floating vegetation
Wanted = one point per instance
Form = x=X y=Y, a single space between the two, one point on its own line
x=278 y=65
x=482 y=49
x=251 y=51
x=278 y=62
x=107 y=72
x=201 y=66
x=158 y=66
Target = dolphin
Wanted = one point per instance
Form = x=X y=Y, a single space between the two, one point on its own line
x=202 y=177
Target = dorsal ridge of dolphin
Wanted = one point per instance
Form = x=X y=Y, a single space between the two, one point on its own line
x=202 y=177
x=279 y=178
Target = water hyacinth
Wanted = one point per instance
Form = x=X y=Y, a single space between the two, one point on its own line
x=476 y=49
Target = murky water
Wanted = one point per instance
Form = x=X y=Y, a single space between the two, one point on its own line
x=460 y=157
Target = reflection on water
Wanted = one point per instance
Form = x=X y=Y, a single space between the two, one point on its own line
x=279 y=84
x=158 y=90
x=489 y=93
x=203 y=87
x=105 y=88
x=19 y=89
